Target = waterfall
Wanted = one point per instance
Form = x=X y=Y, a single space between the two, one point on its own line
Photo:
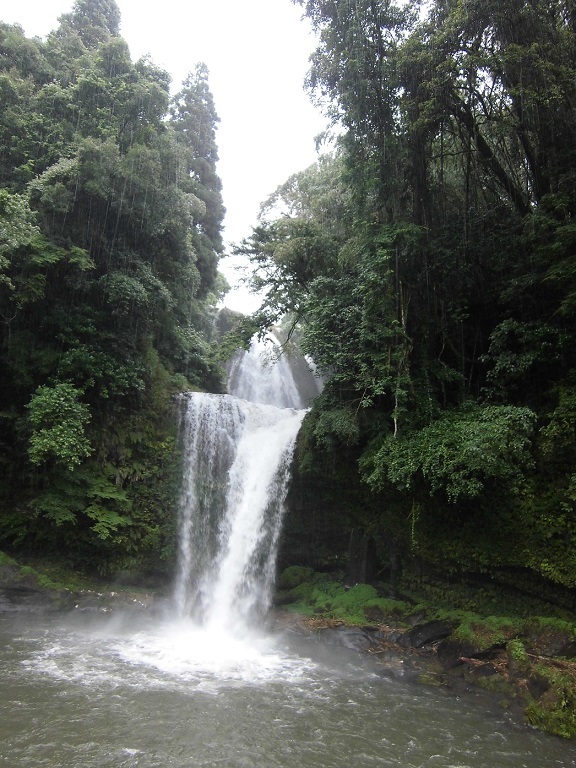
x=261 y=376
x=237 y=454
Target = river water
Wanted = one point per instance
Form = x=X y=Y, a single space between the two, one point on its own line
x=125 y=692
x=196 y=684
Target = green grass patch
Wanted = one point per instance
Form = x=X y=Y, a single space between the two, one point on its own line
x=323 y=597
x=490 y=631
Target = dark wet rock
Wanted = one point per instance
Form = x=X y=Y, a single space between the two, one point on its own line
x=416 y=618
x=103 y=602
x=568 y=651
x=23 y=599
x=389 y=635
x=12 y=576
x=355 y=638
x=538 y=685
x=485 y=669
x=451 y=651
x=548 y=642
x=375 y=614
x=22 y=591
x=430 y=632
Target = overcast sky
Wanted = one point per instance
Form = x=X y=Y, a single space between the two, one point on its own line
x=257 y=53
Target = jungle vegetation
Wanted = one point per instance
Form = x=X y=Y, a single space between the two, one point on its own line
x=110 y=233
x=429 y=262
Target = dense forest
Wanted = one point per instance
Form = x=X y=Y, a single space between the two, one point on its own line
x=429 y=267
x=110 y=233
x=426 y=263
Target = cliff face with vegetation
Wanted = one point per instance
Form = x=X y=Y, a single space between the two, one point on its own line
x=110 y=233
x=430 y=264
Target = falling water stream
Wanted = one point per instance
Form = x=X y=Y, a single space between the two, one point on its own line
x=201 y=683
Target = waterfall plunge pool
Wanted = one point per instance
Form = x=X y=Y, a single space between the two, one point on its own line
x=138 y=692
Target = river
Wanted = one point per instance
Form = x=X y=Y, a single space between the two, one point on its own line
x=144 y=692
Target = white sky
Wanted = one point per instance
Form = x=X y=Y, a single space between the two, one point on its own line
x=257 y=53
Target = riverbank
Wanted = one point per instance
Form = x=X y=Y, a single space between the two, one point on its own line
x=454 y=637
x=45 y=587
x=524 y=661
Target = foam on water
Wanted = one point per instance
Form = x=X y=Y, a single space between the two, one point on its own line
x=185 y=651
x=177 y=655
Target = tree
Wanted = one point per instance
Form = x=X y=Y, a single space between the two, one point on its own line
x=194 y=119
x=58 y=420
x=95 y=21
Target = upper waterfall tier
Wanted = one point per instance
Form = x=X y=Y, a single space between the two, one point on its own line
x=263 y=375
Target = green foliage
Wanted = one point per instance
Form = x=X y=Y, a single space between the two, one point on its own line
x=293 y=576
x=110 y=232
x=319 y=596
x=16 y=230
x=517 y=651
x=58 y=420
x=488 y=632
x=458 y=454
x=555 y=712
x=335 y=426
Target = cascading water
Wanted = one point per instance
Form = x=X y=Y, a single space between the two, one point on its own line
x=238 y=449
x=260 y=375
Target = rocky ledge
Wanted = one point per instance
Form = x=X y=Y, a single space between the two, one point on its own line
x=531 y=672
x=24 y=590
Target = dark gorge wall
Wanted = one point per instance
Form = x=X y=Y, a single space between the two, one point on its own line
x=325 y=522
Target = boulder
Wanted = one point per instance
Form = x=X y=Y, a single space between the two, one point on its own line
x=355 y=638
x=549 y=642
x=451 y=651
x=430 y=632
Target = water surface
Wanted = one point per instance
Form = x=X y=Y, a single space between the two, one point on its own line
x=122 y=692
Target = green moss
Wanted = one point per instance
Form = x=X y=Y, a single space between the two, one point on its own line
x=553 y=624
x=495 y=684
x=323 y=597
x=293 y=576
x=488 y=632
x=555 y=711
x=6 y=559
x=488 y=599
x=396 y=609
x=46 y=574
x=433 y=679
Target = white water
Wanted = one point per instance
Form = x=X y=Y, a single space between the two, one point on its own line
x=264 y=375
x=238 y=450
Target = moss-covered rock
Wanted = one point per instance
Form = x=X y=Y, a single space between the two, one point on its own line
x=555 y=710
x=293 y=576
x=316 y=594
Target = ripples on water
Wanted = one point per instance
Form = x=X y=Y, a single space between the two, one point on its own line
x=112 y=693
